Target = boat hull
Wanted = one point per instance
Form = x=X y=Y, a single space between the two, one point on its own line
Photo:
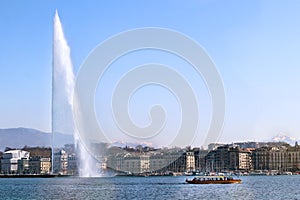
x=214 y=181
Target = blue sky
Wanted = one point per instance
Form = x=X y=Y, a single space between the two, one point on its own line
x=254 y=44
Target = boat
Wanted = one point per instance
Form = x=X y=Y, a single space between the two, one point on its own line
x=287 y=173
x=213 y=180
x=258 y=173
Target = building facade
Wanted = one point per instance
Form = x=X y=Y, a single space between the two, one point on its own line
x=190 y=161
x=39 y=165
x=277 y=158
x=129 y=163
x=60 y=162
x=72 y=165
x=200 y=154
x=15 y=161
x=228 y=158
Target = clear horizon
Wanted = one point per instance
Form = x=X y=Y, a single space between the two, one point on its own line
x=253 y=44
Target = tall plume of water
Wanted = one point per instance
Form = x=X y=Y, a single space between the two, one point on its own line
x=62 y=99
x=62 y=85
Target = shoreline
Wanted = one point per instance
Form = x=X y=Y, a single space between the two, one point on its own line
x=32 y=175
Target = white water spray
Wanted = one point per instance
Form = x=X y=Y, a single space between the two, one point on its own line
x=62 y=99
x=62 y=82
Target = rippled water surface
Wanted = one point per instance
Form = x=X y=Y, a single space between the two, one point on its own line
x=259 y=187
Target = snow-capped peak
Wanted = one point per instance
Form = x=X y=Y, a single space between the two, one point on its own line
x=284 y=138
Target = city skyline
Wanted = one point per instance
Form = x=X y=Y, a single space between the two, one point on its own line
x=256 y=158
x=254 y=49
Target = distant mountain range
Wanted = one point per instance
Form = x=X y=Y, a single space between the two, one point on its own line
x=284 y=138
x=131 y=144
x=19 y=137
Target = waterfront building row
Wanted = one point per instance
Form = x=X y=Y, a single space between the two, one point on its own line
x=283 y=158
x=20 y=162
x=158 y=161
x=230 y=157
x=276 y=157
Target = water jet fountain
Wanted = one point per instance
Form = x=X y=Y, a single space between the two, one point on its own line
x=62 y=100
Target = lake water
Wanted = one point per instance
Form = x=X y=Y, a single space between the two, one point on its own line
x=252 y=187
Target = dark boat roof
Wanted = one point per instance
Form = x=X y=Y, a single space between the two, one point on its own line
x=210 y=176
